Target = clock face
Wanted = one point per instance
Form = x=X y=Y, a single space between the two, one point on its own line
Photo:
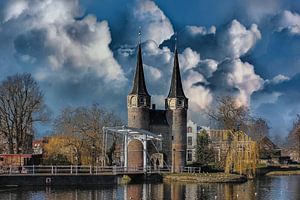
x=172 y=103
x=133 y=101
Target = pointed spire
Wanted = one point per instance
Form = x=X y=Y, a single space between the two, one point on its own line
x=139 y=85
x=176 y=89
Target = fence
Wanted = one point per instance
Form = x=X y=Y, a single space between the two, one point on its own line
x=85 y=169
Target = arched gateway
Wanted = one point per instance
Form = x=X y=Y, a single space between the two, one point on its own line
x=135 y=155
x=134 y=144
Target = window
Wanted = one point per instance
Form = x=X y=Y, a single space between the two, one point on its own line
x=179 y=102
x=1 y=159
x=190 y=141
x=189 y=155
x=141 y=100
x=189 y=129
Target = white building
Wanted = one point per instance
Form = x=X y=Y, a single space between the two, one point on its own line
x=193 y=131
x=191 y=141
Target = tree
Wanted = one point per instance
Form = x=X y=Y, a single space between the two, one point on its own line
x=229 y=115
x=293 y=139
x=204 y=153
x=56 y=152
x=81 y=128
x=21 y=106
x=258 y=129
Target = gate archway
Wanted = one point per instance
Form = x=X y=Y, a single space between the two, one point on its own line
x=135 y=155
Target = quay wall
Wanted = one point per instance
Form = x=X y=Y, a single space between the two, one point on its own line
x=58 y=180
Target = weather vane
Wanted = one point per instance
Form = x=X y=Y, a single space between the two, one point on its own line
x=175 y=35
x=140 y=34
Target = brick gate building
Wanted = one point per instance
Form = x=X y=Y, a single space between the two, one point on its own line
x=170 y=123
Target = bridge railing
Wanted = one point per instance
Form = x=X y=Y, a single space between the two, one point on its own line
x=190 y=169
x=87 y=169
x=75 y=170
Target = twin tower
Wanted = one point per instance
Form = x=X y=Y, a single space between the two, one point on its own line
x=170 y=123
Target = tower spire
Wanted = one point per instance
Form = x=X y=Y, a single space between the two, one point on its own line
x=139 y=85
x=176 y=89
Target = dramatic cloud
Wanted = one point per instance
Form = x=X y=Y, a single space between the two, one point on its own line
x=231 y=41
x=278 y=102
x=153 y=23
x=63 y=53
x=257 y=10
x=251 y=52
x=236 y=40
x=199 y=96
x=288 y=21
x=278 y=79
x=14 y=10
x=234 y=77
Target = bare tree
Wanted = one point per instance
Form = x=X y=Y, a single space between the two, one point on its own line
x=229 y=115
x=293 y=139
x=82 y=128
x=258 y=129
x=21 y=105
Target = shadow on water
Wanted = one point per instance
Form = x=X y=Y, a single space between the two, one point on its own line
x=266 y=188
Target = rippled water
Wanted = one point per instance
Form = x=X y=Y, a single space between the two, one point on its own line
x=266 y=188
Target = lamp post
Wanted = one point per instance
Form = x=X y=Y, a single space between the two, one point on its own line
x=173 y=163
x=93 y=156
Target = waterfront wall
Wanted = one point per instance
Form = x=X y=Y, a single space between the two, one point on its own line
x=58 y=180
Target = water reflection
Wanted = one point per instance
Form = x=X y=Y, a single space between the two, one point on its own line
x=267 y=188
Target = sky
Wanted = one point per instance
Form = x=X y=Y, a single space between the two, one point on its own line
x=83 y=52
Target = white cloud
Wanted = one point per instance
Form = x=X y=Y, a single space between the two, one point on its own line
x=288 y=20
x=200 y=30
x=236 y=40
x=199 y=97
x=153 y=22
x=279 y=79
x=257 y=10
x=66 y=44
x=189 y=59
x=266 y=98
x=207 y=67
x=154 y=73
x=237 y=78
x=13 y=10
x=68 y=54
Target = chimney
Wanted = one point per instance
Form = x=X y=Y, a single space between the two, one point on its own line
x=153 y=106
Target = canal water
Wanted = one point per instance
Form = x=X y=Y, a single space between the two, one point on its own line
x=265 y=188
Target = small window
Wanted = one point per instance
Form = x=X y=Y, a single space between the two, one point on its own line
x=141 y=100
x=189 y=129
x=189 y=155
x=172 y=137
x=179 y=102
x=190 y=141
x=1 y=159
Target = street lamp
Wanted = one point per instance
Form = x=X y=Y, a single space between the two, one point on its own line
x=93 y=156
x=173 y=167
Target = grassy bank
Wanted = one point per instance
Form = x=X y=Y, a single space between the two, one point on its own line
x=284 y=173
x=204 y=178
x=278 y=170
